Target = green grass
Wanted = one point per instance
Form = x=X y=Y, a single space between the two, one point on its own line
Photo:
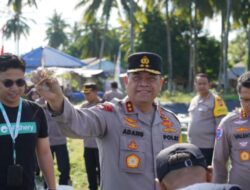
x=176 y=97
x=77 y=168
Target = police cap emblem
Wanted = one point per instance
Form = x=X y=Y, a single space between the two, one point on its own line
x=145 y=61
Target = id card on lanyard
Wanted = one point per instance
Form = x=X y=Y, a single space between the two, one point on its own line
x=13 y=130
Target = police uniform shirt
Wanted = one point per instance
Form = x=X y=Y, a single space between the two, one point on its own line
x=55 y=135
x=114 y=93
x=233 y=141
x=203 y=123
x=127 y=143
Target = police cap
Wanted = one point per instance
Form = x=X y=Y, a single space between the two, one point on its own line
x=172 y=158
x=88 y=87
x=145 y=61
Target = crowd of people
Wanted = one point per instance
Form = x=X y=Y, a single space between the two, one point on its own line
x=130 y=142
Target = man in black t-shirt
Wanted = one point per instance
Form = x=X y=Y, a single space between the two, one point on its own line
x=23 y=131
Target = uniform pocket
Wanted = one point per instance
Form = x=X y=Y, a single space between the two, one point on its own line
x=132 y=155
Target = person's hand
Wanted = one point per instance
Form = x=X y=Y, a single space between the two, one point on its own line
x=48 y=87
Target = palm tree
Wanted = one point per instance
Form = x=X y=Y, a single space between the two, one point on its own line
x=56 y=31
x=94 y=5
x=17 y=5
x=16 y=26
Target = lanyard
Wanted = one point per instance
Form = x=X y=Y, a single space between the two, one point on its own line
x=13 y=130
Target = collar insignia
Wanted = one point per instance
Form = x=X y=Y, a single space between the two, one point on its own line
x=129 y=107
x=243 y=114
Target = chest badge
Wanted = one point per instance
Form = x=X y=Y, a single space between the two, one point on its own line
x=133 y=161
x=243 y=144
x=168 y=126
x=244 y=156
x=131 y=122
x=132 y=145
x=242 y=129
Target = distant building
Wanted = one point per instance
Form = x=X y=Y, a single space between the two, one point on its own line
x=107 y=66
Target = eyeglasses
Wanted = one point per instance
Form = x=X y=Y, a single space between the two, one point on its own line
x=9 y=83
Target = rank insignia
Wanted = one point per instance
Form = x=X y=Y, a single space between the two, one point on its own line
x=105 y=107
x=129 y=107
x=133 y=161
x=244 y=156
x=243 y=114
x=132 y=145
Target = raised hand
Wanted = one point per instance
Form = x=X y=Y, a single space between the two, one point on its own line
x=48 y=87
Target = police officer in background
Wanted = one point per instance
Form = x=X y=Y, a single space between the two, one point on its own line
x=91 y=157
x=130 y=132
x=113 y=93
x=233 y=141
x=206 y=111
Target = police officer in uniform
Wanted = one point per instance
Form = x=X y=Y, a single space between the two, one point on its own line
x=233 y=141
x=113 y=93
x=91 y=156
x=206 y=111
x=130 y=132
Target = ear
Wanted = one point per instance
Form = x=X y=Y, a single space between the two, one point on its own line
x=209 y=173
x=162 y=81
x=125 y=80
x=161 y=185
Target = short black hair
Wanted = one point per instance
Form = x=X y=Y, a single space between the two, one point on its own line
x=203 y=75
x=11 y=61
x=243 y=81
x=114 y=85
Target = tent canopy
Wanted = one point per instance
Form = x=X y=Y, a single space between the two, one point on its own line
x=50 y=57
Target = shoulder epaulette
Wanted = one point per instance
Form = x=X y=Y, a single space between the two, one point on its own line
x=106 y=107
x=169 y=111
x=220 y=108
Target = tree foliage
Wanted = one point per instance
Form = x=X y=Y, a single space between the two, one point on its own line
x=56 y=34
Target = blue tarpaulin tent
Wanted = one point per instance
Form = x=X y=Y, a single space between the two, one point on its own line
x=50 y=57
